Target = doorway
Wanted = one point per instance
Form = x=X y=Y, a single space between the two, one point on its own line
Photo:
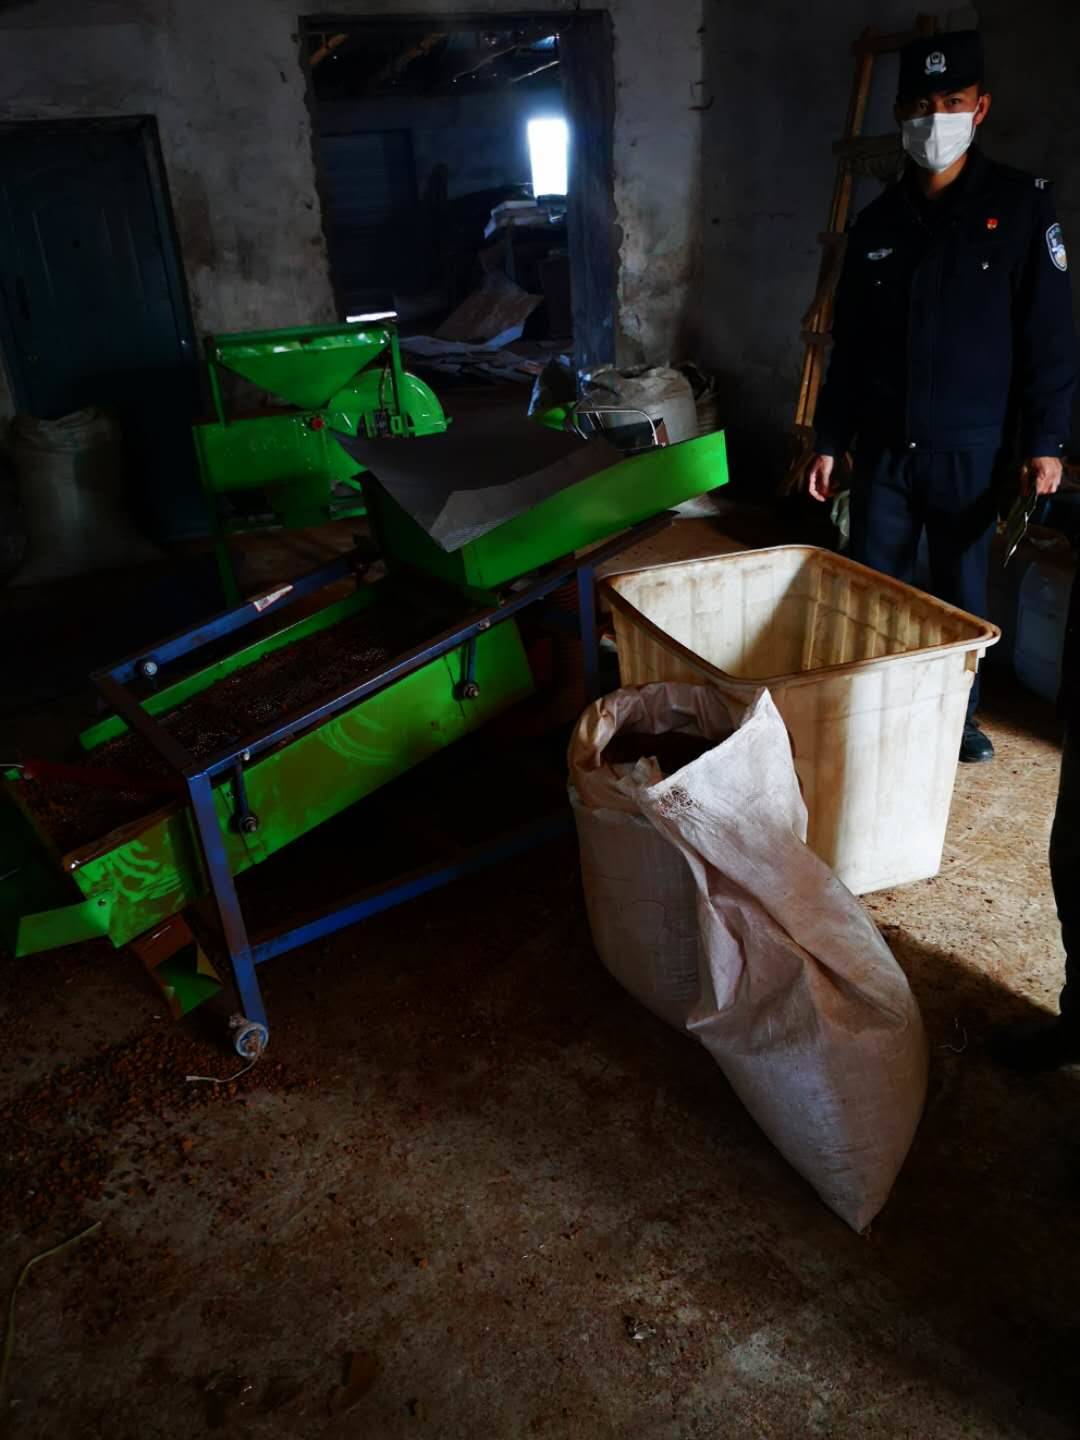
x=446 y=201
x=93 y=308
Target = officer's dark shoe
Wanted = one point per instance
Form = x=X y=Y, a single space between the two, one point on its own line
x=1038 y=1045
x=975 y=747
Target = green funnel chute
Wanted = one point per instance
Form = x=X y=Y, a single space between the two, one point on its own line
x=305 y=367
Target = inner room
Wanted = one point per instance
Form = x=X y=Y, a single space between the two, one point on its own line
x=462 y=167
x=430 y=144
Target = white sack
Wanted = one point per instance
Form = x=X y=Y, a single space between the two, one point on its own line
x=706 y=905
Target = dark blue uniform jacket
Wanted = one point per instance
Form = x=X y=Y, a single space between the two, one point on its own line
x=944 y=314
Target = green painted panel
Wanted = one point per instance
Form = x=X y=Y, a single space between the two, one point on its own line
x=580 y=515
x=67 y=925
x=272 y=450
x=31 y=885
x=155 y=872
x=170 y=696
x=323 y=773
x=185 y=986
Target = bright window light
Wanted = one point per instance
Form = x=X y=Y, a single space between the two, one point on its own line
x=549 y=141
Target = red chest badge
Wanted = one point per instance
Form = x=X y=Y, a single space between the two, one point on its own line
x=991 y=223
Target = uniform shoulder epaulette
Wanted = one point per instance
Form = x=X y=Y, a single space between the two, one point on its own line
x=1023 y=178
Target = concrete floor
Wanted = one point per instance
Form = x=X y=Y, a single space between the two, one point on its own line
x=473 y=1190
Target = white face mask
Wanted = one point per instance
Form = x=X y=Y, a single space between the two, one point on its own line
x=937 y=141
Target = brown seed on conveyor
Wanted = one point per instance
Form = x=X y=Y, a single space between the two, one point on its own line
x=249 y=700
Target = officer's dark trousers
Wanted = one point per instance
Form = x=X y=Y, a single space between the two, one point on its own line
x=1065 y=870
x=896 y=494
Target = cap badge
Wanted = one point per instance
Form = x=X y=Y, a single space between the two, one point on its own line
x=991 y=223
x=935 y=63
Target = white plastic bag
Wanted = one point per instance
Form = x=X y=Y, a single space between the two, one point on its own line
x=706 y=904
x=70 y=477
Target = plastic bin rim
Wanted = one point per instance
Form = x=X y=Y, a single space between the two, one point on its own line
x=986 y=633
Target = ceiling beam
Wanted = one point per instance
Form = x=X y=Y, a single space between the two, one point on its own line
x=486 y=59
x=328 y=46
x=414 y=52
x=538 y=70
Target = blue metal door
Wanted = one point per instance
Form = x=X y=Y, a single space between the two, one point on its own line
x=92 y=304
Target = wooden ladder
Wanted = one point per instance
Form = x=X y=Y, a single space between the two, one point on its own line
x=856 y=155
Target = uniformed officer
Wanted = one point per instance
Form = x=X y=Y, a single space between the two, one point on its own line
x=953 y=310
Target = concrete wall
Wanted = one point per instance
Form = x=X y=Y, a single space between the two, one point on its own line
x=226 y=83
x=780 y=81
x=227 y=87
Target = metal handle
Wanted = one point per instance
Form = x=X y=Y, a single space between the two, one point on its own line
x=579 y=409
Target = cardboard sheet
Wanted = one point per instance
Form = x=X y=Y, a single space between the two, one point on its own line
x=483 y=471
x=494 y=314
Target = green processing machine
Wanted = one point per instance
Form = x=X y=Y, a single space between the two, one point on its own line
x=228 y=742
x=282 y=465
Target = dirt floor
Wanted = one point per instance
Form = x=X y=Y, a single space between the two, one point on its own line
x=474 y=1191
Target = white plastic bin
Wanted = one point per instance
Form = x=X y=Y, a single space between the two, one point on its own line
x=871 y=676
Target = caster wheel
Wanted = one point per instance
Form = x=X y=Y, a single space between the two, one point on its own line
x=250 y=1038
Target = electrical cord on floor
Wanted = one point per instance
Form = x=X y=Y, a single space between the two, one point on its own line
x=219 y=1079
x=961 y=1035
x=9 y=1334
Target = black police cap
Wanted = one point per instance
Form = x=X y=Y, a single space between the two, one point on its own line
x=940 y=62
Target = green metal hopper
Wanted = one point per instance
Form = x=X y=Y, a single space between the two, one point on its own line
x=303 y=366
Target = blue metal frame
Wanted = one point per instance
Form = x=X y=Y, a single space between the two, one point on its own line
x=229 y=621
x=244 y=956
x=410 y=887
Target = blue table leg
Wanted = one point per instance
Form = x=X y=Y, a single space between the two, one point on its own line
x=251 y=1036
x=590 y=640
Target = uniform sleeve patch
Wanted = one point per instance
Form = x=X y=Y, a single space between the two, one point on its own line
x=1055 y=243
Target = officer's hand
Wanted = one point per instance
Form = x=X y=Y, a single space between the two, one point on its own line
x=819 y=477
x=1042 y=474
